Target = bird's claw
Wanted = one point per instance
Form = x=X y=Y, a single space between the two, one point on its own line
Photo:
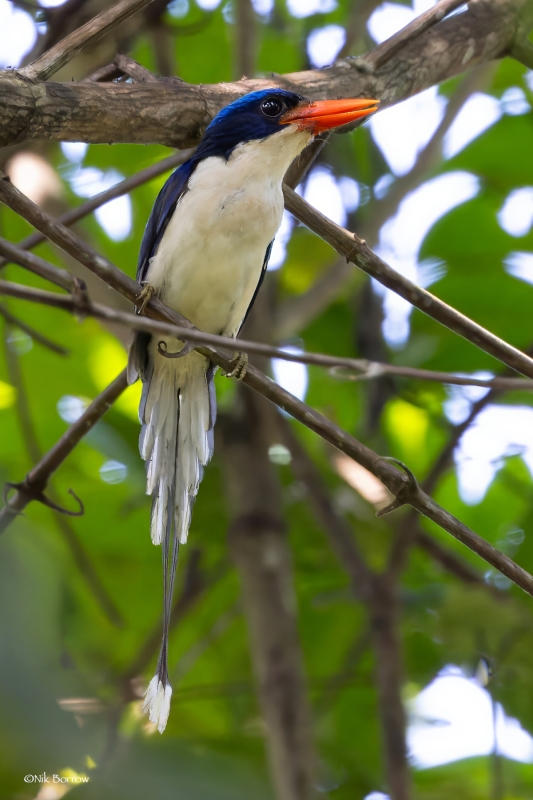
x=240 y=360
x=145 y=296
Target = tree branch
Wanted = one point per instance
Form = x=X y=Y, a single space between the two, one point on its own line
x=453 y=563
x=134 y=70
x=63 y=52
x=38 y=265
x=385 y=51
x=394 y=479
x=37 y=478
x=297 y=312
x=369 y=370
x=36 y=335
x=95 y=112
x=357 y=251
x=77 y=550
x=124 y=187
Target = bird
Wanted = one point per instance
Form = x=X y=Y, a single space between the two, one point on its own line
x=204 y=252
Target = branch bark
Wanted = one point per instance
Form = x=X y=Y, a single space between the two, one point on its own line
x=145 y=113
x=59 y=55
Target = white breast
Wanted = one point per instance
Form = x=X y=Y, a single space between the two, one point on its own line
x=209 y=261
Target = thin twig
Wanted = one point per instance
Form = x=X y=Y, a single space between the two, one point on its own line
x=36 y=335
x=105 y=74
x=394 y=479
x=408 y=527
x=37 y=265
x=134 y=70
x=124 y=187
x=357 y=251
x=385 y=51
x=368 y=370
x=37 y=478
x=50 y=62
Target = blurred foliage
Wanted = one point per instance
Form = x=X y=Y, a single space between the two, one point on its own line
x=56 y=642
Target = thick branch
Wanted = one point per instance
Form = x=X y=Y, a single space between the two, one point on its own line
x=176 y=113
x=385 y=51
x=63 y=52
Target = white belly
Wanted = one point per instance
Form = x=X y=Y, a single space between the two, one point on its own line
x=210 y=259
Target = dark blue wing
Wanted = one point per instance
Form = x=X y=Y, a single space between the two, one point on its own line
x=261 y=279
x=164 y=206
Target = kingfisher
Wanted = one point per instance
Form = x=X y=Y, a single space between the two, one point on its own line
x=204 y=253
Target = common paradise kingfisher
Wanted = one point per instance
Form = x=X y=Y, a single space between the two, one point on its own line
x=205 y=252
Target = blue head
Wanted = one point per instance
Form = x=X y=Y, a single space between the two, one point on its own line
x=254 y=116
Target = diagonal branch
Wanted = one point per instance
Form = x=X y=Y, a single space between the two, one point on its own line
x=37 y=265
x=453 y=563
x=124 y=187
x=37 y=478
x=65 y=50
x=394 y=479
x=36 y=335
x=357 y=251
x=385 y=51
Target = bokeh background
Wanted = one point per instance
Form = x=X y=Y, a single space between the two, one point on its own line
x=79 y=599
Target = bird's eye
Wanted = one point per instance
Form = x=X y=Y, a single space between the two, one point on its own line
x=272 y=107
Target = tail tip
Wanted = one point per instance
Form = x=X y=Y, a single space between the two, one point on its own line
x=157 y=702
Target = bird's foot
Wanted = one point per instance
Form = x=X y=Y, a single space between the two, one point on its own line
x=145 y=296
x=240 y=360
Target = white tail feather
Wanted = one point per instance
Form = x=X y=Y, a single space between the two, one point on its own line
x=175 y=439
x=177 y=414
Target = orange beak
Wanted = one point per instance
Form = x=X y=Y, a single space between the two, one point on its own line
x=326 y=114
